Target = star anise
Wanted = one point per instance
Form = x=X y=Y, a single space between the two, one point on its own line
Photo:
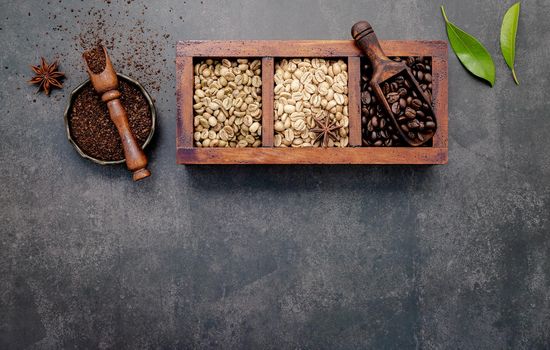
x=47 y=76
x=325 y=130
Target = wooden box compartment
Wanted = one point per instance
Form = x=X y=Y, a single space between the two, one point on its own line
x=216 y=104
x=188 y=51
x=310 y=76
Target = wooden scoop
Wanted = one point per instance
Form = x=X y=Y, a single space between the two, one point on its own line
x=106 y=84
x=395 y=78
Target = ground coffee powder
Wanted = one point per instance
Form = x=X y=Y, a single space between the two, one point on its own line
x=91 y=126
x=96 y=59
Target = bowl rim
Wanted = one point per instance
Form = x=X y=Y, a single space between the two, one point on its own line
x=68 y=108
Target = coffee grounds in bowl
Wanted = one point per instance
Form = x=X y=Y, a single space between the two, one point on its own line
x=93 y=131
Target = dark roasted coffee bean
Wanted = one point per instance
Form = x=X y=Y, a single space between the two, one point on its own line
x=369 y=126
x=402 y=103
x=410 y=113
x=394 y=86
x=388 y=142
x=420 y=137
x=416 y=103
x=363 y=119
x=374 y=121
x=402 y=118
x=430 y=125
x=428 y=68
x=420 y=114
x=399 y=79
x=365 y=97
x=429 y=118
x=428 y=77
x=384 y=134
x=382 y=123
x=414 y=124
x=395 y=108
x=425 y=105
x=392 y=97
x=386 y=88
x=373 y=135
x=411 y=135
x=402 y=92
x=407 y=84
x=378 y=143
x=414 y=94
x=420 y=76
x=404 y=128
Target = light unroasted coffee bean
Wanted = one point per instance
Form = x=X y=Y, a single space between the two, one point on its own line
x=228 y=103
x=304 y=89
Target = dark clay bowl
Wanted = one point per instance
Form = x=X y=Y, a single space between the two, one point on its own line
x=72 y=97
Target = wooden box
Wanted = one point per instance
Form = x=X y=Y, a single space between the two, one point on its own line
x=270 y=50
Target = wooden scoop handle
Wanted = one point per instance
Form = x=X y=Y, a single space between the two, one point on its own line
x=136 y=161
x=106 y=84
x=367 y=41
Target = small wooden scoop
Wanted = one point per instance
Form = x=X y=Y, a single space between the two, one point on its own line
x=106 y=84
x=396 y=78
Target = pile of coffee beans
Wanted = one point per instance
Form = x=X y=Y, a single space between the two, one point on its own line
x=413 y=114
x=306 y=89
x=377 y=127
x=228 y=103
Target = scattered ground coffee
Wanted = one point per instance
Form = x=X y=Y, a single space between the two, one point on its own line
x=91 y=126
x=96 y=59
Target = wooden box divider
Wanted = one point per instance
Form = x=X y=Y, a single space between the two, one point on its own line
x=354 y=100
x=267 y=101
x=271 y=50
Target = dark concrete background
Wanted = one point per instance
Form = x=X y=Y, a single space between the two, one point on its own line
x=273 y=257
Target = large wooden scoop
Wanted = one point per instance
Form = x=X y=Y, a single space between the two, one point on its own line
x=396 y=88
x=105 y=83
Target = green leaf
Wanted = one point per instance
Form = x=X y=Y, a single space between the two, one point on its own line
x=508 y=32
x=473 y=55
